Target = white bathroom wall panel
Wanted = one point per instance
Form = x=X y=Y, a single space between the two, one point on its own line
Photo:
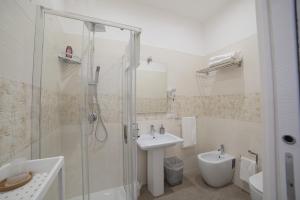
x=159 y=27
x=235 y=22
x=235 y=80
x=16 y=49
x=164 y=29
x=53 y=4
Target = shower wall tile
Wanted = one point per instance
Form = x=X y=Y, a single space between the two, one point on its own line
x=15 y=123
x=151 y=105
x=69 y=109
x=110 y=105
x=111 y=108
x=236 y=107
x=50 y=123
x=15 y=118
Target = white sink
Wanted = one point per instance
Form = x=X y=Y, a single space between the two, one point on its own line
x=150 y=142
x=155 y=146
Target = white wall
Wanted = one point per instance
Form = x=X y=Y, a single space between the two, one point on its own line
x=17 y=30
x=237 y=21
x=54 y=4
x=160 y=28
x=163 y=29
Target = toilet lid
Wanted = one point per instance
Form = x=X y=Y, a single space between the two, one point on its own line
x=257 y=181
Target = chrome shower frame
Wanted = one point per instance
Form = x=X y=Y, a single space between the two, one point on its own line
x=130 y=98
x=91 y=19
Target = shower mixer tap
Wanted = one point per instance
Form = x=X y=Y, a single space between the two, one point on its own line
x=97 y=74
x=92 y=117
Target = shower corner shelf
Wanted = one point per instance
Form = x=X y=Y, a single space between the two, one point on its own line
x=44 y=173
x=73 y=60
x=236 y=63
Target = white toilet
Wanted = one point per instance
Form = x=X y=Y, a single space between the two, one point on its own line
x=256 y=186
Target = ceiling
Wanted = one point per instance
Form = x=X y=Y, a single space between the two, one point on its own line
x=197 y=9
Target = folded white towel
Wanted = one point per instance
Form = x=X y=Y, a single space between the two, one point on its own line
x=189 y=131
x=233 y=57
x=233 y=54
x=247 y=168
x=220 y=62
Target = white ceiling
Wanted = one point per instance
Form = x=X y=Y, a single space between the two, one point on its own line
x=197 y=9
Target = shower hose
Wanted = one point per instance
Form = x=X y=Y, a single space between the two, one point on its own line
x=99 y=119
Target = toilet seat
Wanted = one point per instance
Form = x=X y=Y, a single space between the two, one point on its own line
x=256 y=181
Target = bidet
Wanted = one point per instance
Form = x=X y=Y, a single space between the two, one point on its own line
x=216 y=169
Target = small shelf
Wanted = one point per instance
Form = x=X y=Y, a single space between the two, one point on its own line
x=236 y=63
x=44 y=172
x=73 y=60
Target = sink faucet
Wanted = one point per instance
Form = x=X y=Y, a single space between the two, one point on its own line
x=152 y=130
x=221 y=149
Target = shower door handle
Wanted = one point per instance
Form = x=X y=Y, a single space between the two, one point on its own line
x=125 y=134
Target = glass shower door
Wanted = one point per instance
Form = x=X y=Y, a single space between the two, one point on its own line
x=60 y=125
x=111 y=146
x=70 y=90
x=130 y=127
x=128 y=142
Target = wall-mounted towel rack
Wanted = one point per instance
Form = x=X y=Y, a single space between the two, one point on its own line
x=234 y=63
x=255 y=155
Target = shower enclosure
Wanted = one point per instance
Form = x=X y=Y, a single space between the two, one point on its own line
x=83 y=103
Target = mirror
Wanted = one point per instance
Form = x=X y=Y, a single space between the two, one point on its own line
x=151 y=88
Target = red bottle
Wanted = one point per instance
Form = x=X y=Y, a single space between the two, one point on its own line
x=69 y=52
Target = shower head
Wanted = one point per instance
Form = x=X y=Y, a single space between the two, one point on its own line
x=93 y=27
x=97 y=74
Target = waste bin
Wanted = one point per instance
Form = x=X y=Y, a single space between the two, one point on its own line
x=173 y=170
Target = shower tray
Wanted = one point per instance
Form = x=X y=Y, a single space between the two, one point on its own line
x=44 y=172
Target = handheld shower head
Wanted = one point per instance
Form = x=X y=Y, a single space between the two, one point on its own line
x=97 y=74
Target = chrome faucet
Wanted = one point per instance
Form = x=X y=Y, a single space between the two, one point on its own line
x=222 y=149
x=152 y=130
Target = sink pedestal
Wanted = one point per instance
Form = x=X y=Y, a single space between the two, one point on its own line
x=155 y=145
x=155 y=172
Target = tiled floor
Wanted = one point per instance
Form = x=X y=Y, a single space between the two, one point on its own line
x=193 y=188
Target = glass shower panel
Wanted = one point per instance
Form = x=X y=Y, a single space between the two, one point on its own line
x=85 y=67
x=61 y=92
x=87 y=106
x=105 y=143
x=130 y=116
x=130 y=127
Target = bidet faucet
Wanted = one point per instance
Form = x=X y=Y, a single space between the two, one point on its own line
x=152 y=130
x=222 y=149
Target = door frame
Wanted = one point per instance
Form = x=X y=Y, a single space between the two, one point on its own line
x=276 y=24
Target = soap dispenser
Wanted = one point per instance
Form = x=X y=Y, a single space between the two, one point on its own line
x=162 y=129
